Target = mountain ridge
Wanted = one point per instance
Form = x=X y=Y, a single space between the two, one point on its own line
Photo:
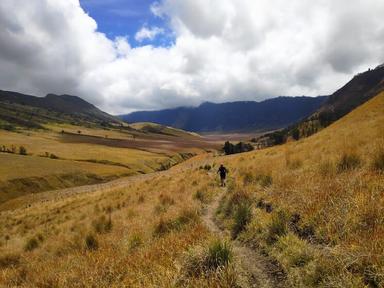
x=361 y=88
x=233 y=116
x=32 y=111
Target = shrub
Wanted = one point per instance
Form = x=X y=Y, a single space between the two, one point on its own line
x=327 y=168
x=264 y=180
x=186 y=217
x=91 y=242
x=199 y=195
x=317 y=272
x=22 y=150
x=378 y=161
x=11 y=150
x=292 y=251
x=102 y=225
x=159 y=209
x=8 y=127
x=162 y=227
x=248 y=178
x=241 y=218
x=9 y=260
x=237 y=198
x=40 y=237
x=135 y=241
x=294 y=164
x=207 y=167
x=53 y=156
x=348 y=162
x=240 y=147
x=31 y=244
x=166 y=226
x=166 y=200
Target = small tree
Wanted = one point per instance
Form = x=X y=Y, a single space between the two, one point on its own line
x=296 y=133
x=228 y=148
x=23 y=150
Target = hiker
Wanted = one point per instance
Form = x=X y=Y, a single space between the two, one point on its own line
x=223 y=174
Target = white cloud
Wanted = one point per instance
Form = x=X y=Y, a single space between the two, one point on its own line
x=224 y=50
x=146 y=33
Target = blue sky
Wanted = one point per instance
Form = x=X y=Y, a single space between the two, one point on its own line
x=125 y=18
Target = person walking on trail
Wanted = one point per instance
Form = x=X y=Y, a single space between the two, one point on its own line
x=223 y=174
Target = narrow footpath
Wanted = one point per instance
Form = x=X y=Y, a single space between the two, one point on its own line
x=254 y=269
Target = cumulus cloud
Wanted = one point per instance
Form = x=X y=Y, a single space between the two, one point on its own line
x=224 y=50
x=146 y=33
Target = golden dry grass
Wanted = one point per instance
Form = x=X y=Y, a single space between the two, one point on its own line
x=313 y=209
x=37 y=143
x=90 y=158
x=163 y=129
x=137 y=252
x=330 y=184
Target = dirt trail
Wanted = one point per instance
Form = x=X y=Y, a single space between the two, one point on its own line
x=57 y=195
x=254 y=269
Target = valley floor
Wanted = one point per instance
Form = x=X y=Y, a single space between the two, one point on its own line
x=65 y=155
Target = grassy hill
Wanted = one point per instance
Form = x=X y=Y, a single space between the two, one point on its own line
x=20 y=110
x=360 y=89
x=314 y=207
x=55 y=142
x=317 y=204
x=148 y=127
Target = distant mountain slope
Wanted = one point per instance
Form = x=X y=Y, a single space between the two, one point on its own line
x=31 y=111
x=359 y=90
x=148 y=127
x=234 y=116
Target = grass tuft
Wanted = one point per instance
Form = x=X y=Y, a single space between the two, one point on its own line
x=278 y=226
x=102 y=224
x=185 y=217
x=242 y=217
x=31 y=244
x=204 y=261
x=219 y=255
x=91 y=242
x=135 y=241
x=378 y=161
x=264 y=180
x=348 y=162
x=9 y=260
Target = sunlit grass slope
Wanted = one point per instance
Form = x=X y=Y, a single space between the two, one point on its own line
x=317 y=205
x=66 y=155
x=138 y=236
x=161 y=129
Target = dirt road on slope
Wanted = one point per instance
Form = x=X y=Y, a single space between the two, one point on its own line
x=56 y=195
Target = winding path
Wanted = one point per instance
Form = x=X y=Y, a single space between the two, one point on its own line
x=254 y=269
